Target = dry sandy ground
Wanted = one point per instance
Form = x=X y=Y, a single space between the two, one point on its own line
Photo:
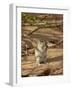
x=52 y=34
x=54 y=65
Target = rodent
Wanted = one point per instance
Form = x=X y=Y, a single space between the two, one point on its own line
x=41 y=52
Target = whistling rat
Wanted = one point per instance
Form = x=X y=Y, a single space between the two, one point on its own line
x=41 y=52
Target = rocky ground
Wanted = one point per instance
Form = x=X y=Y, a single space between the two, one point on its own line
x=49 y=28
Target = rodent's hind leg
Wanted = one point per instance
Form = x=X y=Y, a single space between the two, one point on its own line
x=38 y=61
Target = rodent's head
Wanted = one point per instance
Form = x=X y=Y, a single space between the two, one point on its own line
x=42 y=44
